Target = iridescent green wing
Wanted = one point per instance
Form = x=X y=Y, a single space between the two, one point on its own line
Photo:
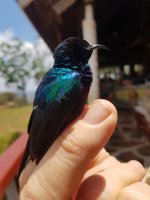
x=62 y=87
x=56 y=86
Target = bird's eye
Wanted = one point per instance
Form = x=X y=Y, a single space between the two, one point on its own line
x=85 y=44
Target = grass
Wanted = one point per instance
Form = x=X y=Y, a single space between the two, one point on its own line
x=13 y=121
x=6 y=140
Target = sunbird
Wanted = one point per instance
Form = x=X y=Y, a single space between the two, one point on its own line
x=60 y=97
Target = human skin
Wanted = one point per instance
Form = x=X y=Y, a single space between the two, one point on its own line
x=78 y=167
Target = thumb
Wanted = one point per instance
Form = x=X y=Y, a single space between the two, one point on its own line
x=62 y=168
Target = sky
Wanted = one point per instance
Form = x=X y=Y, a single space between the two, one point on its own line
x=12 y=18
x=14 y=23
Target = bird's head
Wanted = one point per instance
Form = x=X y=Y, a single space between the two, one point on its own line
x=75 y=49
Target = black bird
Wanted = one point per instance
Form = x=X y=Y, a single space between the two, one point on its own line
x=60 y=97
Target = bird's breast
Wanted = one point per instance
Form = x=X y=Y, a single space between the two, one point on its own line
x=86 y=77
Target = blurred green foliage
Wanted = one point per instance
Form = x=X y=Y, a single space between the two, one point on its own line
x=11 y=99
x=20 y=62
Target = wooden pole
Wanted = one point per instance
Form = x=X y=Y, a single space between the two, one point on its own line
x=90 y=34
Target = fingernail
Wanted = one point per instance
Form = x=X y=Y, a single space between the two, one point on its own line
x=97 y=112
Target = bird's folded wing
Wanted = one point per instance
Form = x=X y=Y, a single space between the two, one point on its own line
x=55 y=108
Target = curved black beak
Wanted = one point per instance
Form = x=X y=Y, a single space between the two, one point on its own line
x=98 y=46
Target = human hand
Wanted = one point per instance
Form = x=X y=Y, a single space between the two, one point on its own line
x=77 y=167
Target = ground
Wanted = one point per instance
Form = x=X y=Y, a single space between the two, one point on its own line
x=129 y=142
x=13 y=121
